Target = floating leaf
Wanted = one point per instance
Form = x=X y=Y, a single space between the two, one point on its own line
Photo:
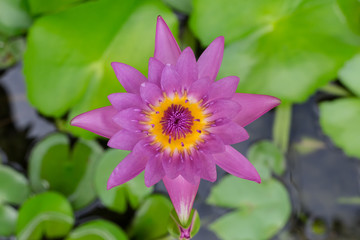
x=261 y=209
x=48 y=214
x=340 y=120
x=54 y=167
x=134 y=191
x=14 y=188
x=184 y=6
x=350 y=74
x=283 y=48
x=351 y=10
x=266 y=157
x=67 y=62
x=97 y=230
x=8 y=217
x=45 y=6
x=151 y=220
x=14 y=17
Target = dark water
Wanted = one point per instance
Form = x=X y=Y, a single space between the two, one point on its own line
x=315 y=181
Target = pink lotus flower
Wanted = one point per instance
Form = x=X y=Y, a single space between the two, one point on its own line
x=179 y=122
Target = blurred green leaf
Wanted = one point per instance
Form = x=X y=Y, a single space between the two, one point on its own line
x=54 y=167
x=97 y=230
x=261 y=209
x=14 y=188
x=350 y=74
x=308 y=145
x=340 y=120
x=351 y=10
x=184 y=6
x=67 y=62
x=11 y=51
x=266 y=158
x=284 y=48
x=151 y=220
x=48 y=214
x=8 y=217
x=46 y=6
x=349 y=200
x=117 y=198
x=14 y=17
x=318 y=227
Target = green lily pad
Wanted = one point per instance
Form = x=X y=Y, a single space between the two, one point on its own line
x=14 y=17
x=8 y=217
x=117 y=198
x=98 y=230
x=351 y=10
x=14 y=188
x=184 y=6
x=67 y=62
x=340 y=119
x=283 y=48
x=350 y=74
x=266 y=158
x=48 y=214
x=53 y=166
x=261 y=210
x=44 y=6
x=152 y=218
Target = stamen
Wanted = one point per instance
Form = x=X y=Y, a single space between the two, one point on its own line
x=177 y=122
x=199 y=131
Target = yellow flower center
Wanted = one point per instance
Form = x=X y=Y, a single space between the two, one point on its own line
x=177 y=123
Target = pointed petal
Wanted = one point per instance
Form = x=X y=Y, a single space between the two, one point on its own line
x=130 y=166
x=230 y=133
x=212 y=144
x=253 y=106
x=182 y=194
x=189 y=171
x=210 y=60
x=187 y=68
x=199 y=89
x=222 y=108
x=129 y=77
x=124 y=140
x=121 y=101
x=172 y=165
x=205 y=166
x=170 y=80
x=224 y=88
x=166 y=48
x=236 y=164
x=155 y=69
x=130 y=119
x=98 y=121
x=154 y=171
x=151 y=93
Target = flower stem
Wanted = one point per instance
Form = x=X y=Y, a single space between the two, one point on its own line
x=281 y=128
